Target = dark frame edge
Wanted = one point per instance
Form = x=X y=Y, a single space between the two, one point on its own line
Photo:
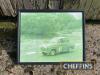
x=83 y=30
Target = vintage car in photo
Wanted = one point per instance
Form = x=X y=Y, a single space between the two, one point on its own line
x=61 y=46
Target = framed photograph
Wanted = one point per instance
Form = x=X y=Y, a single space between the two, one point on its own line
x=50 y=36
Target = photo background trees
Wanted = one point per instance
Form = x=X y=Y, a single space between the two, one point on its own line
x=46 y=25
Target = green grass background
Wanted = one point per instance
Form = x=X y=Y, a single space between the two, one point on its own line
x=38 y=29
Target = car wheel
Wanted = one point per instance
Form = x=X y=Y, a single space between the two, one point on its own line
x=53 y=52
